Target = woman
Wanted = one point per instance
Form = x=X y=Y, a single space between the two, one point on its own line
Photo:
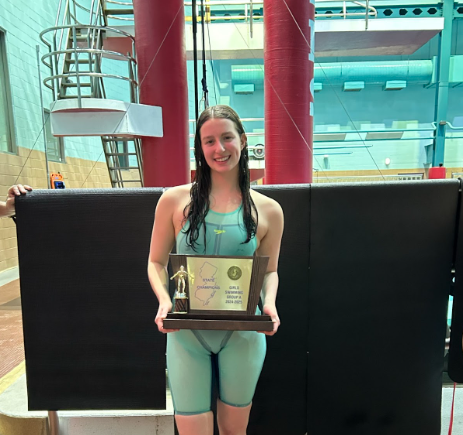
x=216 y=215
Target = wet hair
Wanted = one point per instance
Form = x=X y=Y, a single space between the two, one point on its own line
x=198 y=207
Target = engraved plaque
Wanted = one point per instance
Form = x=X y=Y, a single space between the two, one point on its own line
x=219 y=283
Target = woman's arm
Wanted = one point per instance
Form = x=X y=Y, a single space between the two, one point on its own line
x=270 y=246
x=162 y=241
x=7 y=208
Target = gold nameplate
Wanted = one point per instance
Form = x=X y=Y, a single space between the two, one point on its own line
x=219 y=283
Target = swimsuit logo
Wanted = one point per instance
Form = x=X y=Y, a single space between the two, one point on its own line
x=234 y=273
x=217 y=232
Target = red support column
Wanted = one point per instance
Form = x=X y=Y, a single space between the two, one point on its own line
x=289 y=74
x=162 y=73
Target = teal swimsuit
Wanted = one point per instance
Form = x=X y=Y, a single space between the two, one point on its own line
x=240 y=354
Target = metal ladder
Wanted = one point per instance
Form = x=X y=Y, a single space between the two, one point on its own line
x=91 y=42
x=81 y=44
x=119 y=160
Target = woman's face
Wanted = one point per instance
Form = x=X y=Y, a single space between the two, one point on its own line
x=221 y=144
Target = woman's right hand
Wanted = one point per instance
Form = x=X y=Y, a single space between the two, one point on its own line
x=164 y=308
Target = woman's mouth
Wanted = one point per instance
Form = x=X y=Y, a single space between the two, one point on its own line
x=222 y=159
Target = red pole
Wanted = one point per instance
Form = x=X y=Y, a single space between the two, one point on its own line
x=289 y=75
x=161 y=56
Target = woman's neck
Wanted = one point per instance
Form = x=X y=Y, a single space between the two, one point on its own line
x=225 y=188
x=224 y=183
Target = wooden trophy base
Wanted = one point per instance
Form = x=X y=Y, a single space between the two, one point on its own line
x=181 y=305
x=224 y=322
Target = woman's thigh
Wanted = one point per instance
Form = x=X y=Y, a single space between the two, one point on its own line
x=190 y=373
x=240 y=365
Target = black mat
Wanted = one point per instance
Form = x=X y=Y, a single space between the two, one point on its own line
x=381 y=258
x=365 y=273
x=88 y=309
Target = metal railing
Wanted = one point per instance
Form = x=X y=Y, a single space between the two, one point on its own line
x=248 y=15
x=366 y=178
x=56 y=57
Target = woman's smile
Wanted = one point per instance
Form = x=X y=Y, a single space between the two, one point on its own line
x=222 y=159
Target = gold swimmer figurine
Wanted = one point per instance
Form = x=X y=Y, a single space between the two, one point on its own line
x=181 y=285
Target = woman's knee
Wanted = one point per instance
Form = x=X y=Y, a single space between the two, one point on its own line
x=196 y=424
x=232 y=420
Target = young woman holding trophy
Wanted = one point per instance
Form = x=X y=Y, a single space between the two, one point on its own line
x=189 y=216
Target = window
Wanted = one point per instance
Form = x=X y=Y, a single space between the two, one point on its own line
x=55 y=145
x=6 y=114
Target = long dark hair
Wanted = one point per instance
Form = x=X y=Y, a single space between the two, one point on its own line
x=199 y=204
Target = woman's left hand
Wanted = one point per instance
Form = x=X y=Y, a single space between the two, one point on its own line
x=271 y=310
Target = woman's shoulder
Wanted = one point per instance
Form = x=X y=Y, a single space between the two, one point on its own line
x=177 y=192
x=176 y=195
x=265 y=204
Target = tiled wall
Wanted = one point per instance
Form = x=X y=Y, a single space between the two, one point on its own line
x=28 y=167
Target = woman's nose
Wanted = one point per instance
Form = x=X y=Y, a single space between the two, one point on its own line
x=220 y=145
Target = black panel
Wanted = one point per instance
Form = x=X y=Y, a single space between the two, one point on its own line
x=380 y=267
x=88 y=308
x=372 y=313
x=455 y=367
x=280 y=403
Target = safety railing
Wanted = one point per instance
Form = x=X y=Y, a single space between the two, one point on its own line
x=55 y=60
x=126 y=9
x=248 y=11
x=365 y=178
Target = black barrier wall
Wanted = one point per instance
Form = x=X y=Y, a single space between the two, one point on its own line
x=88 y=308
x=365 y=272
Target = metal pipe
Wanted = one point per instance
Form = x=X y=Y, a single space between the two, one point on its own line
x=119 y=3
x=76 y=57
x=54 y=60
x=452 y=127
x=91 y=12
x=195 y=57
x=229 y=3
x=251 y=19
x=43 y=116
x=367 y=4
x=86 y=50
x=85 y=26
x=59 y=11
x=75 y=12
x=85 y=74
x=204 y=79
x=53 y=422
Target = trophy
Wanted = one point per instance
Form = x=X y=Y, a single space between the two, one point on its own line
x=217 y=292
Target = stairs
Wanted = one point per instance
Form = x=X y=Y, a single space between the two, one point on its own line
x=84 y=47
